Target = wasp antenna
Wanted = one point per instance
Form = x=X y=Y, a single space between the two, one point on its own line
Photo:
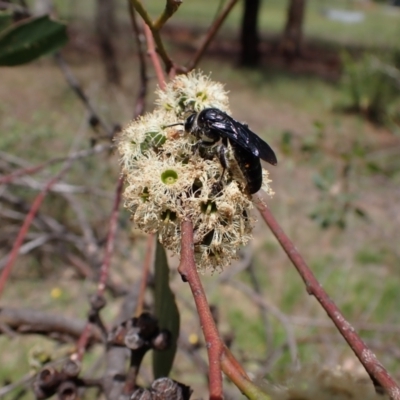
x=168 y=126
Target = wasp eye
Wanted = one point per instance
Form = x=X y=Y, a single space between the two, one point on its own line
x=190 y=122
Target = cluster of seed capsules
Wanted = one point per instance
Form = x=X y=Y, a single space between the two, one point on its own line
x=169 y=180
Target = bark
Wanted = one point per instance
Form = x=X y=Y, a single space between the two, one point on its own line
x=117 y=357
x=291 y=43
x=27 y=321
x=106 y=31
x=250 y=53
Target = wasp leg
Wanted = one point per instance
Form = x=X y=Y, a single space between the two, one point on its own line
x=222 y=151
x=196 y=146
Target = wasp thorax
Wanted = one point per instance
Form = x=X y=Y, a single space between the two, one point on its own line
x=168 y=179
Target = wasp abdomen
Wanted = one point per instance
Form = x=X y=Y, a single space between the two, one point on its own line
x=250 y=166
x=211 y=125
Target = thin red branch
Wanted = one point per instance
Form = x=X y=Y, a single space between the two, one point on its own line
x=25 y=226
x=104 y=272
x=105 y=267
x=24 y=171
x=151 y=50
x=375 y=369
x=94 y=118
x=187 y=269
x=74 y=156
x=218 y=355
x=141 y=98
x=211 y=34
x=233 y=363
x=82 y=343
x=234 y=371
x=29 y=321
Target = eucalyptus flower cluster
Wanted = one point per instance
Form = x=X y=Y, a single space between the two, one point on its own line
x=169 y=181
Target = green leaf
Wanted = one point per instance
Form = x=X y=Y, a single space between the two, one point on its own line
x=30 y=39
x=166 y=312
x=5 y=21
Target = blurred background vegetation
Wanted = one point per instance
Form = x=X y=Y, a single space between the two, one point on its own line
x=326 y=101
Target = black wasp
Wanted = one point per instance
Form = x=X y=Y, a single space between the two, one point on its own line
x=211 y=125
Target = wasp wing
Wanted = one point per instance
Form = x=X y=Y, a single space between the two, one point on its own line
x=239 y=133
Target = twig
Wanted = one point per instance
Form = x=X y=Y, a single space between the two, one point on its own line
x=137 y=4
x=98 y=301
x=227 y=279
x=211 y=34
x=51 y=230
x=29 y=246
x=94 y=118
x=153 y=55
x=25 y=226
x=141 y=98
x=28 y=321
x=48 y=227
x=230 y=368
x=187 y=269
x=82 y=343
x=32 y=170
x=378 y=374
x=218 y=355
x=91 y=248
x=104 y=270
x=268 y=331
x=365 y=326
x=171 y=7
x=25 y=380
x=281 y=317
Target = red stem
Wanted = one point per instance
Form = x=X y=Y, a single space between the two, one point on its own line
x=82 y=343
x=32 y=170
x=234 y=371
x=105 y=267
x=104 y=270
x=25 y=227
x=23 y=171
x=228 y=358
x=187 y=269
x=375 y=369
x=151 y=50
x=211 y=34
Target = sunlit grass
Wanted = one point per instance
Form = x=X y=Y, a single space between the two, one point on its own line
x=380 y=27
x=378 y=18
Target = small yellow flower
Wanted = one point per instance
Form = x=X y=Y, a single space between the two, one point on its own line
x=56 y=293
x=193 y=339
